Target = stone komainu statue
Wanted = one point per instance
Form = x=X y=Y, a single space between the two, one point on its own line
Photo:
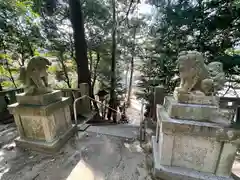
x=196 y=76
x=35 y=77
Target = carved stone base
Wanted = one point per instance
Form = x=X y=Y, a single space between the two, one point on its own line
x=45 y=127
x=178 y=173
x=46 y=147
x=43 y=99
x=187 y=149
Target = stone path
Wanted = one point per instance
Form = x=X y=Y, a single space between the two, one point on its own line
x=89 y=156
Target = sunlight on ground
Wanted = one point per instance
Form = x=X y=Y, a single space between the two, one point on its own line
x=3 y=168
x=236 y=167
x=133 y=147
x=82 y=171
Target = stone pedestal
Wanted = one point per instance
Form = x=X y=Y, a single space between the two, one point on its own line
x=188 y=145
x=43 y=121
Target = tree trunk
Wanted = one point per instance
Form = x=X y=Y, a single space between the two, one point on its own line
x=131 y=67
x=95 y=70
x=79 y=41
x=80 y=45
x=112 y=101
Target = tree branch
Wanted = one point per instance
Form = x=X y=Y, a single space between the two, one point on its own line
x=127 y=13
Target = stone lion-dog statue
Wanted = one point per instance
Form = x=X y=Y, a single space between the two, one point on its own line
x=35 y=77
x=197 y=77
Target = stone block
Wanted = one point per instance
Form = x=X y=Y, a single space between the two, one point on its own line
x=189 y=111
x=179 y=173
x=41 y=100
x=44 y=127
x=196 y=99
x=195 y=152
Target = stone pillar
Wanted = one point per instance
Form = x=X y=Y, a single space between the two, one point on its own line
x=159 y=94
x=43 y=121
x=158 y=99
x=84 y=106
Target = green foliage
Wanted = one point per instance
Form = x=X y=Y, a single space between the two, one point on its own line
x=211 y=27
x=43 y=28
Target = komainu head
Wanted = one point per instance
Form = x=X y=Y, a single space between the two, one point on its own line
x=35 y=77
x=191 y=63
x=192 y=71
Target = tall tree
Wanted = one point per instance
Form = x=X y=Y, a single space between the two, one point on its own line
x=79 y=42
x=112 y=101
x=132 y=65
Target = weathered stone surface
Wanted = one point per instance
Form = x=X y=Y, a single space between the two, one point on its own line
x=43 y=127
x=166 y=144
x=40 y=127
x=178 y=173
x=33 y=127
x=43 y=99
x=198 y=153
x=192 y=70
x=195 y=146
x=217 y=74
x=196 y=76
x=189 y=111
x=195 y=99
x=226 y=160
x=46 y=147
